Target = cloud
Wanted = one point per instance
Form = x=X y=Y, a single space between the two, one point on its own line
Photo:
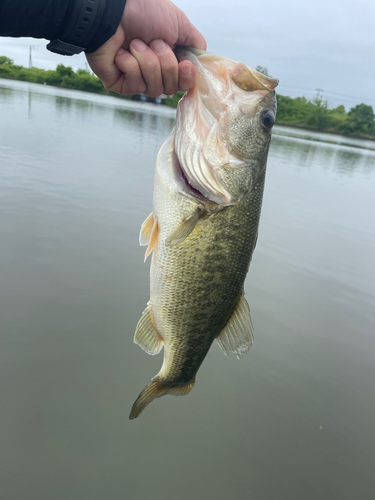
x=306 y=44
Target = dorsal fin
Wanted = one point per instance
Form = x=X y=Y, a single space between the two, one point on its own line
x=237 y=335
x=146 y=335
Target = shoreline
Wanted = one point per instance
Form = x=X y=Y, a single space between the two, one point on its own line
x=167 y=104
x=321 y=131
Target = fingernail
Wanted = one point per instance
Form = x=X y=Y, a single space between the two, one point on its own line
x=138 y=45
x=120 y=52
x=186 y=76
x=159 y=45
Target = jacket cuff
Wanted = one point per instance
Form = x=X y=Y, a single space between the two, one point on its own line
x=111 y=19
x=90 y=24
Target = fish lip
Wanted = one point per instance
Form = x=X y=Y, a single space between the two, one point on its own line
x=182 y=52
x=192 y=54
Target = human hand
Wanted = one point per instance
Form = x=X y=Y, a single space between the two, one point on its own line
x=139 y=57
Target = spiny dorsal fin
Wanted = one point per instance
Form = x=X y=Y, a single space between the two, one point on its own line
x=149 y=234
x=237 y=335
x=146 y=335
x=156 y=389
x=185 y=228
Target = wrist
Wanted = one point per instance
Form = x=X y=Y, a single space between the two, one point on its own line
x=91 y=23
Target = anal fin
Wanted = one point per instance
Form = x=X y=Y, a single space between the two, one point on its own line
x=146 y=335
x=237 y=336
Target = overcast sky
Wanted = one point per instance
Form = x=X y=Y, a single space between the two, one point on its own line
x=326 y=44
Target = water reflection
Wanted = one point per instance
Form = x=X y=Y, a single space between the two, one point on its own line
x=76 y=182
x=6 y=94
x=122 y=116
x=147 y=125
x=79 y=107
x=30 y=94
x=327 y=138
x=348 y=161
x=368 y=165
x=64 y=104
x=342 y=159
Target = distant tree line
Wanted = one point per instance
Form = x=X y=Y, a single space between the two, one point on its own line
x=63 y=76
x=315 y=114
x=306 y=113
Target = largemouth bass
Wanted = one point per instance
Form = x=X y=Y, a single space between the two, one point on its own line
x=202 y=232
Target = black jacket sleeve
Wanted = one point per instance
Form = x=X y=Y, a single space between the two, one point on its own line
x=60 y=19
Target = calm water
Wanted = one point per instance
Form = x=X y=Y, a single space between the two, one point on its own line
x=292 y=420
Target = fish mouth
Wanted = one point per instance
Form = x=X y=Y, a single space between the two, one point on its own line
x=244 y=77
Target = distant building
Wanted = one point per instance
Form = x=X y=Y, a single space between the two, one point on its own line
x=141 y=97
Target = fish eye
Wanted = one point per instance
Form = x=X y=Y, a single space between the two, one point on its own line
x=268 y=119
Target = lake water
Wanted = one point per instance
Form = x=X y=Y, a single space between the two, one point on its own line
x=294 y=419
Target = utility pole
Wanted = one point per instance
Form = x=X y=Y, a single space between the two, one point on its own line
x=30 y=56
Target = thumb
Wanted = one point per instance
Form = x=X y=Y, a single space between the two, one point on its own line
x=189 y=36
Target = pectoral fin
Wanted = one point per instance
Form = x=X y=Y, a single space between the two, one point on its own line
x=146 y=335
x=237 y=335
x=185 y=228
x=149 y=234
x=146 y=228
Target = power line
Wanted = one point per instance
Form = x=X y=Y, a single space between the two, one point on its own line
x=356 y=98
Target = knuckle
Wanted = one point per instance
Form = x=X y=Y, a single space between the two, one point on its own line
x=151 y=63
x=132 y=66
x=137 y=88
x=154 y=93
x=142 y=89
x=170 y=67
x=171 y=90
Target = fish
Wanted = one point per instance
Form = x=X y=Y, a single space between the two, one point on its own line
x=208 y=189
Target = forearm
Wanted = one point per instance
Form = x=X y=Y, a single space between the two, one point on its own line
x=87 y=24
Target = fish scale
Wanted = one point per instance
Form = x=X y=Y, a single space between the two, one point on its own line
x=201 y=246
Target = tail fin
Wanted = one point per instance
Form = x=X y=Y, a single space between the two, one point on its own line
x=156 y=389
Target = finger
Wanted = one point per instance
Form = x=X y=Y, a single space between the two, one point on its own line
x=102 y=61
x=190 y=36
x=186 y=75
x=150 y=67
x=196 y=39
x=132 y=81
x=168 y=65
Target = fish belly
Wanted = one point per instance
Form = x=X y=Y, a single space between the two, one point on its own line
x=196 y=284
